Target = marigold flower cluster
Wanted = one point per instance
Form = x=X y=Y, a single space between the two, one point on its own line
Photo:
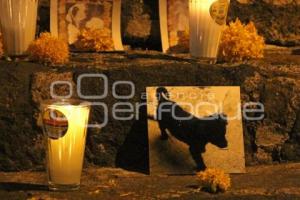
x=1 y=46
x=241 y=42
x=214 y=180
x=95 y=40
x=49 y=49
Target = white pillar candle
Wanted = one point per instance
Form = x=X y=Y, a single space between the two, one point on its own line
x=18 y=24
x=66 y=135
x=207 y=20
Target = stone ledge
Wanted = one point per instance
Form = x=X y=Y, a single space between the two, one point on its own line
x=263 y=182
x=274 y=81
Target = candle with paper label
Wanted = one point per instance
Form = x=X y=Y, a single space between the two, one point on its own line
x=65 y=125
x=207 y=20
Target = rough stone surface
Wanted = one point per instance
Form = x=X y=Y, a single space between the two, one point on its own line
x=274 y=2
x=268 y=137
x=42 y=82
x=18 y=131
x=274 y=81
x=259 y=183
x=270 y=20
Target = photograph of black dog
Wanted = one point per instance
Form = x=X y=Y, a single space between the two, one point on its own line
x=194 y=131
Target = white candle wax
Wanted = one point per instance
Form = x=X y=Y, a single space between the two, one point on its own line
x=207 y=20
x=18 y=24
x=66 y=154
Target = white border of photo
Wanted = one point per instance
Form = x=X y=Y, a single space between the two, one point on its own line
x=163 y=17
x=116 y=22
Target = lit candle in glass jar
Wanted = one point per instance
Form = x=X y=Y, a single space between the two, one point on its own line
x=65 y=126
x=207 y=20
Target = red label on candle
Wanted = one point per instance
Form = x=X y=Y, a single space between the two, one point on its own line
x=218 y=11
x=55 y=124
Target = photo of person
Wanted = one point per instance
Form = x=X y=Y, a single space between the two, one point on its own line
x=70 y=20
x=84 y=15
x=75 y=16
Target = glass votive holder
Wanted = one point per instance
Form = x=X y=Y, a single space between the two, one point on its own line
x=65 y=128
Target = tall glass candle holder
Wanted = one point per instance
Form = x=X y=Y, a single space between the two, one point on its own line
x=18 y=24
x=207 y=20
x=65 y=126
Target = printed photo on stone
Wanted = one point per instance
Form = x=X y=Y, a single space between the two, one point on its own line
x=174 y=24
x=70 y=17
x=193 y=128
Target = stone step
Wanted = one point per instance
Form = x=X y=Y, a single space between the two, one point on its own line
x=263 y=182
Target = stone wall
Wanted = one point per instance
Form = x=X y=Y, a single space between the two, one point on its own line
x=274 y=81
x=273 y=2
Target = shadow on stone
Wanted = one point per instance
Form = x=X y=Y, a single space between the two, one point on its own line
x=12 y=186
x=296 y=51
x=163 y=57
x=133 y=154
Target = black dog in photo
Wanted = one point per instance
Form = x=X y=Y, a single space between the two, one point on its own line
x=195 y=132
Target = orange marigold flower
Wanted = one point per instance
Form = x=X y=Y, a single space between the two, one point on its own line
x=214 y=180
x=49 y=49
x=241 y=42
x=95 y=40
x=1 y=46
